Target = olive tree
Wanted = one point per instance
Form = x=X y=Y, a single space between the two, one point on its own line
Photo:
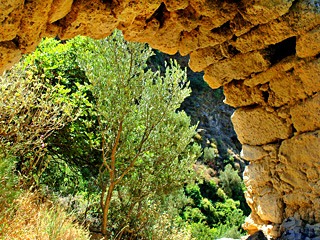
x=145 y=141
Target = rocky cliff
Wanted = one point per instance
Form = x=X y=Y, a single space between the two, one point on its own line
x=264 y=52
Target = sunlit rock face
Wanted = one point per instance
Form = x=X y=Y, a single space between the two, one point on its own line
x=264 y=52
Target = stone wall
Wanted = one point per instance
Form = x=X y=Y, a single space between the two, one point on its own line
x=264 y=52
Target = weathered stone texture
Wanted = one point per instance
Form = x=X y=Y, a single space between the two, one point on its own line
x=239 y=67
x=300 y=156
x=9 y=55
x=261 y=11
x=308 y=44
x=59 y=9
x=10 y=18
x=91 y=18
x=264 y=52
x=306 y=115
x=239 y=95
x=257 y=126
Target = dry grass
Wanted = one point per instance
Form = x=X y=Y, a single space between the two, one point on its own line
x=29 y=217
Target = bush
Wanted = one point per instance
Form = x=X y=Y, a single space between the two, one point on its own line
x=201 y=231
x=230 y=181
x=27 y=215
x=30 y=217
x=8 y=181
x=30 y=110
x=209 y=154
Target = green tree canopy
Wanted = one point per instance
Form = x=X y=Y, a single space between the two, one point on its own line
x=144 y=141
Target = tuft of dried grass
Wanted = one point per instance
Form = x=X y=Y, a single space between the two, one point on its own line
x=32 y=217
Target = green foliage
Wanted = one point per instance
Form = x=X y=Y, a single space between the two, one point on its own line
x=231 y=182
x=201 y=231
x=234 y=187
x=212 y=213
x=74 y=143
x=121 y=89
x=208 y=189
x=8 y=181
x=30 y=110
x=193 y=191
x=218 y=93
x=209 y=154
x=57 y=62
x=144 y=141
x=128 y=133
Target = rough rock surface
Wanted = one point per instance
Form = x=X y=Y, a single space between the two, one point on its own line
x=264 y=52
x=295 y=229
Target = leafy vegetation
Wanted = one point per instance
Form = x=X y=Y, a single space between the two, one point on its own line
x=88 y=124
x=31 y=215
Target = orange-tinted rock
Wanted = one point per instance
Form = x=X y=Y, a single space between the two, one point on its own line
x=203 y=57
x=269 y=206
x=253 y=153
x=201 y=37
x=219 y=11
x=273 y=72
x=33 y=24
x=10 y=18
x=257 y=126
x=308 y=44
x=9 y=55
x=127 y=11
x=285 y=89
x=303 y=16
x=239 y=95
x=240 y=26
x=301 y=156
x=90 y=18
x=261 y=11
x=239 y=67
x=306 y=115
x=59 y=9
x=266 y=34
x=175 y=5
x=309 y=73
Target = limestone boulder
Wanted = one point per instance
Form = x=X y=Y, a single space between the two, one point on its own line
x=90 y=18
x=239 y=67
x=59 y=9
x=239 y=95
x=306 y=115
x=257 y=126
x=261 y=11
x=33 y=24
x=9 y=54
x=11 y=13
x=301 y=157
x=308 y=44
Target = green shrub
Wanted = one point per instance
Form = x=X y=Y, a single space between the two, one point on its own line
x=193 y=191
x=208 y=189
x=8 y=181
x=201 y=231
x=30 y=110
x=230 y=181
x=222 y=195
x=193 y=215
x=209 y=154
